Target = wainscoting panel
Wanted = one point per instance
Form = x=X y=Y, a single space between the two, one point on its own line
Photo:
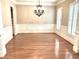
x=7 y=34
x=5 y=38
x=35 y=28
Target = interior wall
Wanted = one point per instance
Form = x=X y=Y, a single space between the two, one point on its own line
x=25 y=15
x=1 y=24
x=6 y=13
x=65 y=6
x=78 y=22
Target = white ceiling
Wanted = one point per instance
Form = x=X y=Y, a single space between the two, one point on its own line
x=37 y=1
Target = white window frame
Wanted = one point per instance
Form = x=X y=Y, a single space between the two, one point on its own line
x=70 y=18
x=73 y=18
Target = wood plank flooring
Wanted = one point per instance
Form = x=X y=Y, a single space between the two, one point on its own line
x=39 y=46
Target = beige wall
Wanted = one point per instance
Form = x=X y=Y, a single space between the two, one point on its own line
x=6 y=13
x=78 y=22
x=25 y=15
x=65 y=6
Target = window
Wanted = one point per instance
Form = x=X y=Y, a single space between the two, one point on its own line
x=73 y=18
x=70 y=19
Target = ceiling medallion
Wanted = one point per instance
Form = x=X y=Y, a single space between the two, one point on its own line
x=39 y=10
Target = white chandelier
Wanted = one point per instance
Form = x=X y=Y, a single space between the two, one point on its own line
x=39 y=10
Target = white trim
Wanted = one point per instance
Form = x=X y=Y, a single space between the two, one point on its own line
x=13 y=1
x=35 y=28
x=42 y=1
x=60 y=2
x=31 y=3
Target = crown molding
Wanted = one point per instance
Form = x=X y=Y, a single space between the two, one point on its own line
x=34 y=3
x=60 y=2
x=13 y=1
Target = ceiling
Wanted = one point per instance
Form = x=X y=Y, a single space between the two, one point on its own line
x=37 y=1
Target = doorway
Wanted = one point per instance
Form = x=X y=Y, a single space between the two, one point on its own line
x=12 y=21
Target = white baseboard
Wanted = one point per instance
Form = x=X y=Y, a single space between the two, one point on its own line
x=35 y=28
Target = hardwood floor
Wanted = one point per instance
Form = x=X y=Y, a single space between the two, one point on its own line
x=39 y=46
